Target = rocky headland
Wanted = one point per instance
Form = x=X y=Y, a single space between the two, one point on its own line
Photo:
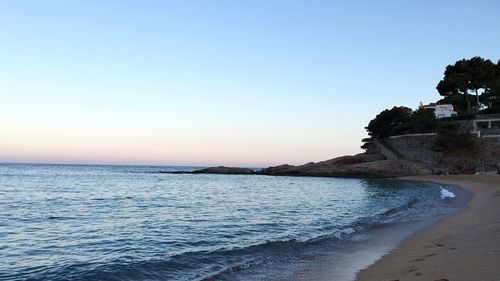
x=222 y=170
x=466 y=149
x=363 y=165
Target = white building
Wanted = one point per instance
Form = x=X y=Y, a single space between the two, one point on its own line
x=440 y=110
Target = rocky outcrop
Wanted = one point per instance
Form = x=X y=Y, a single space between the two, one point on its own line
x=323 y=167
x=216 y=170
x=360 y=165
x=404 y=155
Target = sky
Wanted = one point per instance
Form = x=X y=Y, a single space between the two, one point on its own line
x=244 y=83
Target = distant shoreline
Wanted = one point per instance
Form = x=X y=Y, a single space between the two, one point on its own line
x=464 y=246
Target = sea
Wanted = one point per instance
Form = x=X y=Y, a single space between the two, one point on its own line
x=97 y=222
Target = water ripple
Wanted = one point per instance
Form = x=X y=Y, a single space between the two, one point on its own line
x=71 y=222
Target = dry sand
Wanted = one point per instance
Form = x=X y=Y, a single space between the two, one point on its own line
x=464 y=246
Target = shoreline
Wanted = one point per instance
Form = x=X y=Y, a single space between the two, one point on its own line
x=345 y=262
x=463 y=246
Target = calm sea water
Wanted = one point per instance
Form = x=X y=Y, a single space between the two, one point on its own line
x=72 y=222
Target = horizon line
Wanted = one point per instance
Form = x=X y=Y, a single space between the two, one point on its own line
x=140 y=165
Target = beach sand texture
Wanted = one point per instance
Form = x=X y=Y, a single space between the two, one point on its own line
x=465 y=246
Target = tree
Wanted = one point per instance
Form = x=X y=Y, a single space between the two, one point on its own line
x=482 y=73
x=387 y=121
x=368 y=145
x=455 y=83
x=457 y=100
x=399 y=121
x=451 y=138
x=474 y=74
x=422 y=121
x=491 y=96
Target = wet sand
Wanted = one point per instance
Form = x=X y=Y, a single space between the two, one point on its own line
x=464 y=246
x=344 y=263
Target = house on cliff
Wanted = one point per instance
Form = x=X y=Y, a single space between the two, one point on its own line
x=421 y=147
x=440 y=110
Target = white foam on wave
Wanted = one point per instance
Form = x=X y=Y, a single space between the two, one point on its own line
x=347 y=231
x=446 y=193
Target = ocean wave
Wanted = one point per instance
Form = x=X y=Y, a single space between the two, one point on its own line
x=403 y=207
x=215 y=264
x=104 y=223
x=294 y=245
x=446 y=193
x=195 y=265
x=220 y=263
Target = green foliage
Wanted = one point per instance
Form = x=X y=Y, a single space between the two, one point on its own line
x=476 y=76
x=490 y=110
x=368 y=147
x=458 y=102
x=386 y=122
x=467 y=76
x=402 y=120
x=491 y=96
x=420 y=122
x=451 y=138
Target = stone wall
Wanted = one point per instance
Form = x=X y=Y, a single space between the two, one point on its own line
x=416 y=147
x=382 y=148
x=420 y=148
x=489 y=151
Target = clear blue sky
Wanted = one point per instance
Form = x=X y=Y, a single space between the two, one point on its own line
x=220 y=82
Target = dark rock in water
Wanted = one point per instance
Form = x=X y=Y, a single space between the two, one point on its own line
x=225 y=170
x=217 y=170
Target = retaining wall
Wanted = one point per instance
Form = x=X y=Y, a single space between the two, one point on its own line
x=421 y=148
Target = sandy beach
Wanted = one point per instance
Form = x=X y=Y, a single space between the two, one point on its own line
x=464 y=246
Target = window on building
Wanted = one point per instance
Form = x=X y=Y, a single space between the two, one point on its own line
x=482 y=125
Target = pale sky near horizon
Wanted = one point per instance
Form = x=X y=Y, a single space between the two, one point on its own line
x=249 y=83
